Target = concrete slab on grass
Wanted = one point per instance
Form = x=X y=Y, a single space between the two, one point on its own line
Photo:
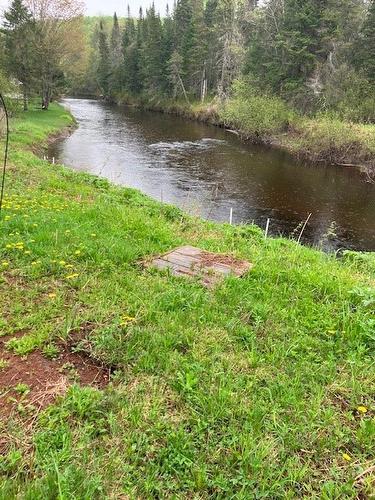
x=210 y=267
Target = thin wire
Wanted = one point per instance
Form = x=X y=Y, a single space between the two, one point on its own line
x=6 y=151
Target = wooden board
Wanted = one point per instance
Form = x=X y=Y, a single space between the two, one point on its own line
x=192 y=261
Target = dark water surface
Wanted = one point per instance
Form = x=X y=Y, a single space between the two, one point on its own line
x=206 y=170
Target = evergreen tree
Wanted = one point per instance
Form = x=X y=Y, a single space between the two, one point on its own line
x=212 y=43
x=153 y=56
x=168 y=47
x=104 y=67
x=19 y=40
x=115 y=80
x=366 y=47
x=131 y=57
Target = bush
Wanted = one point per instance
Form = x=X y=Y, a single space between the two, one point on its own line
x=350 y=95
x=254 y=114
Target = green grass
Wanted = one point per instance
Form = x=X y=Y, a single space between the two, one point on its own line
x=249 y=390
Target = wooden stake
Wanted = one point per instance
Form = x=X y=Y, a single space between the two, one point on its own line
x=303 y=228
x=267 y=228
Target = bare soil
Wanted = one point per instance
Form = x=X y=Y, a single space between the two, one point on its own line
x=30 y=383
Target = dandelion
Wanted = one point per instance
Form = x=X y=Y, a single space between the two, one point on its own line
x=77 y=252
x=346 y=457
x=52 y=295
x=5 y=263
x=72 y=276
x=62 y=262
x=362 y=409
x=125 y=320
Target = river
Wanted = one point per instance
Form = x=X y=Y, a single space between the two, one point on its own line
x=208 y=171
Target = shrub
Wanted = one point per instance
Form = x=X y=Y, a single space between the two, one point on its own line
x=350 y=95
x=254 y=114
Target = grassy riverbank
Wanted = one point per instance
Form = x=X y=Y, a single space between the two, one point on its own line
x=268 y=120
x=261 y=387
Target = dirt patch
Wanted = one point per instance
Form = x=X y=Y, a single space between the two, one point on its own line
x=30 y=383
x=210 y=259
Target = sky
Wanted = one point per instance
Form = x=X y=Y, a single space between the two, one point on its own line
x=108 y=7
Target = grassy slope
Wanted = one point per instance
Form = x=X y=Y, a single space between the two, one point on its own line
x=250 y=390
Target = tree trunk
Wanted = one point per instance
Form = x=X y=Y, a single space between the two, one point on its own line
x=25 y=103
x=46 y=99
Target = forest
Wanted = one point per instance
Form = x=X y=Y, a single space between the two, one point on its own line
x=315 y=56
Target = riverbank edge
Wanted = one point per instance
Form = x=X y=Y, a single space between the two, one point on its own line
x=306 y=139
x=279 y=263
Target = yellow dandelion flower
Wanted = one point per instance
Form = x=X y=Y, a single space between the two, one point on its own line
x=362 y=409
x=77 y=252
x=5 y=263
x=52 y=295
x=62 y=262
x=72 y=276
x=126 y=320
x=346 y=457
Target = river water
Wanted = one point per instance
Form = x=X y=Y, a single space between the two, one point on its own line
x=208 y=171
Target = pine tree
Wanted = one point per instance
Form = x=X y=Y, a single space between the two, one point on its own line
x=212 y=43
x=131 y=57
x=115 y=80
x=168 y=47
x=285 y=44
x=104 y=67
x=19 y=39
x=174 y=75
x=367 y=44
x=300 y=41
x=153 y=56
x=196 y=52
x=230 y=50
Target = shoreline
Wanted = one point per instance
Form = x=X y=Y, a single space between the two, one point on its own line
x=301 y=139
